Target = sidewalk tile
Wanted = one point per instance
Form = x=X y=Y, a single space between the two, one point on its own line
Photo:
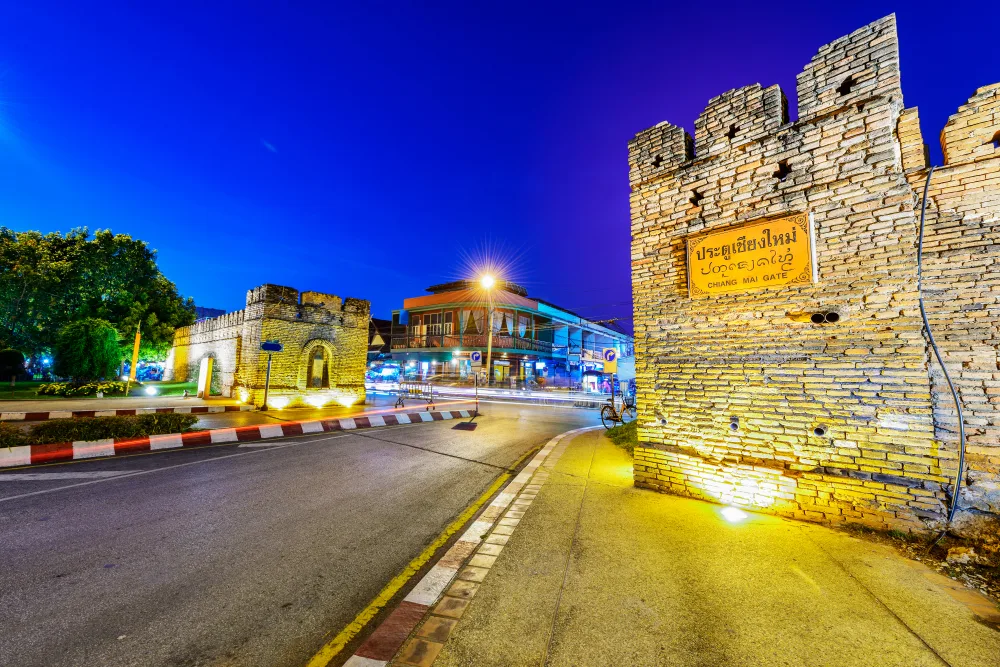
x=419 y=652
x=450 y=607
x=437 y=628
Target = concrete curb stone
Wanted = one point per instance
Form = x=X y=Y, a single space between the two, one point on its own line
x=70 y=451
x=121 y=412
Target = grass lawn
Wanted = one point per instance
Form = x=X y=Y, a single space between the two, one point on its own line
x=169 y=388
x=25 y=391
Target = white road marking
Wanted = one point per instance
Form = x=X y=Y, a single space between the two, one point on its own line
x=124 y=475
x=425 y=416
x=248 y=445
x=56 y=476
x=376 y=420
x=348 y=423
x=402 y=418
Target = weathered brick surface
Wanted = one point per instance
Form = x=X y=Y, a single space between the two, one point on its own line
x=854 y=158
x=302 y=323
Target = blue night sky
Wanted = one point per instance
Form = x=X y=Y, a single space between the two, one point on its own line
x=371 y=151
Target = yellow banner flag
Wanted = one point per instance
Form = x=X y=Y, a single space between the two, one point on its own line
x=135 y=356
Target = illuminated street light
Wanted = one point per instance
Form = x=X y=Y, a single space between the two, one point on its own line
x=487 y=281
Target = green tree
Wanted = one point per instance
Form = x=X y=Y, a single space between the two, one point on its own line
x=48 y=281
x=87 y=349
x=11 y=365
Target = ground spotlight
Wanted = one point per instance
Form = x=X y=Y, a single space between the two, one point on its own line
x=733 y=514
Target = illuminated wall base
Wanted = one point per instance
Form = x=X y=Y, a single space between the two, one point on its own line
x=808 y=496
x=280 y=399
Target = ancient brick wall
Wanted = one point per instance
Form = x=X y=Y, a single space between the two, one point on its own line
x=962 y=285
x=219 y=338
x=302 y=323
x=741 y=397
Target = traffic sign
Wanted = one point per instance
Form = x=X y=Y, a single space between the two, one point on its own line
x=610 y=356
x=477 y=358
x=271 y=346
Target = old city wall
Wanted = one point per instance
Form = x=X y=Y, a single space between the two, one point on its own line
x=962 y=282
x=219 y=338
x=742 y=398
x=303 y=322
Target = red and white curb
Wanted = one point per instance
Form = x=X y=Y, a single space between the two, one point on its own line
x=445 y=590
x=71 y=451
x=123 y=412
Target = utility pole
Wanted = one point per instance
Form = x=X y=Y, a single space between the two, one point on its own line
x=269 y=346
x=267 y=382
x=487 y=282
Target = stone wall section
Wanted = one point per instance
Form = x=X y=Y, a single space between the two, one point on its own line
x=219 y=338
x=833 y=423
x=962 y=289
x=301 y=322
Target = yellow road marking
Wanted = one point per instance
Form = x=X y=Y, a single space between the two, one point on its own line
x=337 y=644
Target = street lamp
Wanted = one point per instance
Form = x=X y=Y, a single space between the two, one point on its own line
x=487 y=282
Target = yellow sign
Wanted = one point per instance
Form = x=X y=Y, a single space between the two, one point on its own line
x=610 y=356
x=755 y=256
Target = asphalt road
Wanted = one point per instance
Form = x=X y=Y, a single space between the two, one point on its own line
x=235 y=555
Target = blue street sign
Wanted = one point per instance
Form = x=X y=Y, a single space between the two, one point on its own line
x=610 y=355
x=271 y=346
x=476 y=357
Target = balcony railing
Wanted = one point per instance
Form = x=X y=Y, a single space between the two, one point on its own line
x=500 y=342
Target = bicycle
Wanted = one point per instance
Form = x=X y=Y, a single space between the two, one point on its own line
x=610 y=416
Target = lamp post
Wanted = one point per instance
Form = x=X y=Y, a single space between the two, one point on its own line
x=487 y=282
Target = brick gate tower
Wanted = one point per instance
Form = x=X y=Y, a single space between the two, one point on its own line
x=780 y=353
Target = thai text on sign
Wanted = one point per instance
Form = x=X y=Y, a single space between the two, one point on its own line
x=755 y=256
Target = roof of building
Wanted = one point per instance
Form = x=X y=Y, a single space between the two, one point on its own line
x=505 y=293
x=456 y=285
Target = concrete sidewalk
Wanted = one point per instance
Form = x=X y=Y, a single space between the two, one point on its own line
x=597 y=572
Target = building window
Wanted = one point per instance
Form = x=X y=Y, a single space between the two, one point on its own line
x=447 y=322
x=434 y=324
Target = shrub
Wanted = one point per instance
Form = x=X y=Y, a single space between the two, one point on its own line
x=99 y=428
x=87 y=389
x=12 y=436
x=625 y=436
x=87 y=349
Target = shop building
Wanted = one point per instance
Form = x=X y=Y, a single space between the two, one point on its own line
x=534 y=341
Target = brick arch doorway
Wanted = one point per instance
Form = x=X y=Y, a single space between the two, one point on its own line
x=209 y=376
x=315 y=364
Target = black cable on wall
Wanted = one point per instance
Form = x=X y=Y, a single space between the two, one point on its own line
x=937 y=353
